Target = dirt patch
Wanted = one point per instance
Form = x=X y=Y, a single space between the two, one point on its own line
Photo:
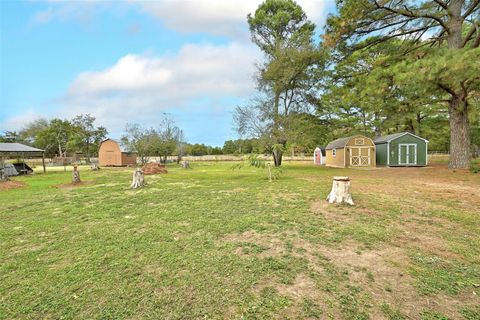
x=424 y=233
x=381 y=273
x=154 y=168
x=261 y=245
x=11 y=184
x=330 y=211
x=70 y=186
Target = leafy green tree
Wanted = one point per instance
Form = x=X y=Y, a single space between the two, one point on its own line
x=10 y=136
x=367 y=94
x=139 y=140
x=86 y=137
x=451 y=71
x=29 y=132
x=280 y=28
x=55 y=138
x=162 y=142
x=229 y=147
x=169 y=136
x=216 y=151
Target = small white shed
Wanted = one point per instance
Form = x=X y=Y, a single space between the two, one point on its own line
x=319 y=156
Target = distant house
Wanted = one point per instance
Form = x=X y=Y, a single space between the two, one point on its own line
x=355 y=151
x=319 y=156
x=111 y=154
x=402 y=149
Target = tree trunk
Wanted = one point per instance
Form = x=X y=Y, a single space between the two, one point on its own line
x=340 y=191
x=138 y=180
x=3 y=174
x=459 y=134
x=419 y=124
x=458 y=106
x=75 y=175
x=277 y=157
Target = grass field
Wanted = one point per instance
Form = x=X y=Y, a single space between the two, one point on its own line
x=215 y=243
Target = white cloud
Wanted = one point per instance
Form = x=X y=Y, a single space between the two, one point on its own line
x=219 y=17
x=195 y=70
x=140 y=87
x=215 y=17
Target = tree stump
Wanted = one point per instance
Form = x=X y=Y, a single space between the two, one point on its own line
x=138 y=180
x=76 y=175
x=340 y=191
x=186 y=165
x=3 y=175
x=95 y=166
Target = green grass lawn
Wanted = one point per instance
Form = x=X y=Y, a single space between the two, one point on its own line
x=215 y=243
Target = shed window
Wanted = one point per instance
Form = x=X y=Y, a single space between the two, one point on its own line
x=359 y=142
x=334 y=152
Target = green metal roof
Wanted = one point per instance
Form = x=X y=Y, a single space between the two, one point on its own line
x=390 y=137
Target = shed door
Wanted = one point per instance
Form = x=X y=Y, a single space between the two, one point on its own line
x=318 y=155
x=110 y=157
x=407 y=154
x=359 y=156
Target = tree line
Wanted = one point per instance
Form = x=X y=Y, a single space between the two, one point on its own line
x=61 y=137
x=379 y=67
x=80 y=135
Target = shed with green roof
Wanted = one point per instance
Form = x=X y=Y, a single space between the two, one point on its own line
x=402 y=149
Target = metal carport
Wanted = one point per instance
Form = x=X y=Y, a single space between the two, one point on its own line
x=18 y=149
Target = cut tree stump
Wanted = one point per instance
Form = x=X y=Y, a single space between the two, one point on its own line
x=95 y=166
x=138 y=180
x=75 y=175
x=186 y=165
x=340 y=191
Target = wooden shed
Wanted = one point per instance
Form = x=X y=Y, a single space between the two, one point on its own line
x=355 y=151
x=319 y=156
x=402 y=149
x=111 y=154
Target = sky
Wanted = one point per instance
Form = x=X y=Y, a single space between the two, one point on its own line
x=131 y=62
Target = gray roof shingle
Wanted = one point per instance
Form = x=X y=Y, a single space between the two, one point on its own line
x=17 y=147
x=339 y=143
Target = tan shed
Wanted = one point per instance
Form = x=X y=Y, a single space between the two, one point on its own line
x=355 y=151
x=111 y=154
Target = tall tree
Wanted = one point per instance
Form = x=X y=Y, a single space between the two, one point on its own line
x=55 y=138
x=280 y=28
x=160 y=142
x=86 y=136
x=454 y=24
x=30 y=131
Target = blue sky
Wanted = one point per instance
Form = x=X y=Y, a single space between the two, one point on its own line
x=130 y=62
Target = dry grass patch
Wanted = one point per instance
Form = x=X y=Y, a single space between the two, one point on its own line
x=11 y=184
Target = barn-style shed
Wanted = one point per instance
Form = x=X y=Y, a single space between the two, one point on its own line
x=111 y=154
x=401 y=150
x=354 y=151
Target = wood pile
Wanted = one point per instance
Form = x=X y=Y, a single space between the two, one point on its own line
x=154 y=168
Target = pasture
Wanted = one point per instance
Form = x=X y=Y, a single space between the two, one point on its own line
x=220 y=244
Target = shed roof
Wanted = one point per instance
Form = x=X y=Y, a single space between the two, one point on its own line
x=17 y=147
x=390 y=137
x=339 y=143
x=120 y=145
